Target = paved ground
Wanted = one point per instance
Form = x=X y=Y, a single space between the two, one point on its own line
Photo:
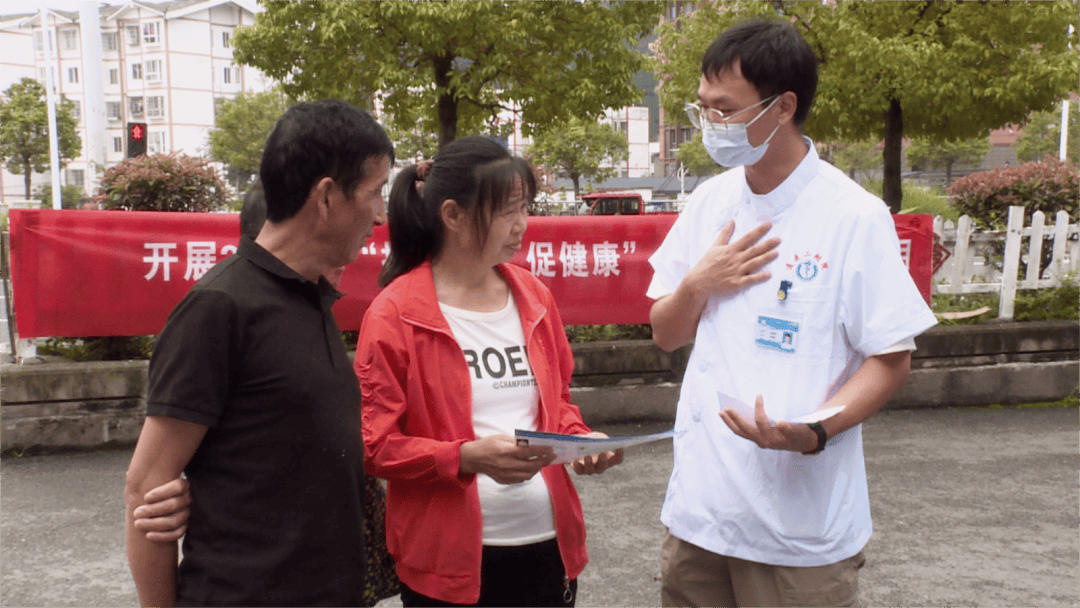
x=971 y=507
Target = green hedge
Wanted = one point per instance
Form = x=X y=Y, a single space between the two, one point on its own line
x=1047 y=186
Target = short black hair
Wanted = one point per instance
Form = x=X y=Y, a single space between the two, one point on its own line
x=253 y=213
x=772 y=56
x=312 y=140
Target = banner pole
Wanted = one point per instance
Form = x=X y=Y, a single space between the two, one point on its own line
x=9 y=309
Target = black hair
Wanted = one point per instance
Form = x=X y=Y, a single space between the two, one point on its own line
x=476 y=172
x=313 y=140
x=772 y=56
x=253 y=213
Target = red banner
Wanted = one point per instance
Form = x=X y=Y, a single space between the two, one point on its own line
x=109 y=273
x=916 y=232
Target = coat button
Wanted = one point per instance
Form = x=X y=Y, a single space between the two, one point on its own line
x=697 y=416
x=702 y=366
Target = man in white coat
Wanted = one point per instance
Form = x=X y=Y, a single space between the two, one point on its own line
x=788 y=278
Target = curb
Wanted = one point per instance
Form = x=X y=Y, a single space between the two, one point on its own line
x=58 y=406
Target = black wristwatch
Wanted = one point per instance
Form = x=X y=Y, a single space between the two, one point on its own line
x=822 y=438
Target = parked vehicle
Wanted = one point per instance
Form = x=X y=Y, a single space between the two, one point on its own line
x=619 y=203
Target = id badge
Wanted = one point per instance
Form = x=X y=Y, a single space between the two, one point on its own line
x=777 y=333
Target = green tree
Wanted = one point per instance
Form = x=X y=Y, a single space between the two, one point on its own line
x=1042 y=135
x=24 y=130
x=936 y=153
x=949 y=70
x=579 y=148
x=70 y=196
x=240 y=132
x=163 y=182
x=857 y=158
x=696 y=159
x=410 y=143
x=453 y=66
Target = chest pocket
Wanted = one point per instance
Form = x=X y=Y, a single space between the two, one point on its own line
x=816 y=309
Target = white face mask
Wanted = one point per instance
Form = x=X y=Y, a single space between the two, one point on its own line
x=728 y=144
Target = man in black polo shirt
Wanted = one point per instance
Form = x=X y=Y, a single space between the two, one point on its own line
x=251 y=393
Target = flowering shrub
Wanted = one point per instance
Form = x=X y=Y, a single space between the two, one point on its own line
x=1047 y=186
x=163 y=182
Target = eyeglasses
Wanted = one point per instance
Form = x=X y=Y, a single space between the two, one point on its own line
x=699 y=115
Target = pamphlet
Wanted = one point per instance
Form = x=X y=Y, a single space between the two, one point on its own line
x=747 y=411
x=569 y=448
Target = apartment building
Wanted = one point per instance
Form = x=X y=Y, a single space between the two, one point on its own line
x=165 y=64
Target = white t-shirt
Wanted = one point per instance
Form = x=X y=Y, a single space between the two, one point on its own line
x=504 y=398
x=848 y=296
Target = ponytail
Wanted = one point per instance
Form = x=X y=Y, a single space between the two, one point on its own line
x=476 y=172
x=415 y=232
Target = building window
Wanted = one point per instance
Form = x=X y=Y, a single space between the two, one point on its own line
x=236 y=74
x=112 y=110
x=76 y=110
x=225 y=40
x=39 y=44
x=114 y=76
x=151 y=32
x=109 y=41
x=135 y=107
x=136 y=71
x=118 y=144
x=155 y=107
x=41 y=75
x=226 y=76
x=153 y=70
x=76 y=177
x=132 y=32
x=155 y=143
x=69 y=39
x=73 y=75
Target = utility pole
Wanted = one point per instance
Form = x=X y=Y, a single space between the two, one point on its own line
x=93 y=93
x=50 y=97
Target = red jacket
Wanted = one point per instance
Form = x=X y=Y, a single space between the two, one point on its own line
x=417 y=411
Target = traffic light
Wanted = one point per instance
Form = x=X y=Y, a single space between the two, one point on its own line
x=136 y=139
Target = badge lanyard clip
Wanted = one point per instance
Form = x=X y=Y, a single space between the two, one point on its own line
x=783 y=293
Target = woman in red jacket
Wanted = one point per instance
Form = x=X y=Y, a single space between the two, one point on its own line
x=459 y=350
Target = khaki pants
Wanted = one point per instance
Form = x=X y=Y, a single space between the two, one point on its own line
x=693 y=576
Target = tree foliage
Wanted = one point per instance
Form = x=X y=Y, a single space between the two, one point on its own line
x=412 y=143
x=24 y=130
x=454 y=65
x=949 y=70
x=240 y=132
x=70 y=196
x=580 y=148
x=1042 y=135
x=163 y=182
x=929 y=152
x=696 y=159
x=857 y=159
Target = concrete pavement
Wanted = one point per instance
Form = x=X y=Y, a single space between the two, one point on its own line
x=970 y=506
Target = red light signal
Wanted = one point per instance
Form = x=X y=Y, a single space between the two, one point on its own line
x=136 y=139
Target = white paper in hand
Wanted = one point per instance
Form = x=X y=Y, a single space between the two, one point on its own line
x=569 y=448
x=747 y=411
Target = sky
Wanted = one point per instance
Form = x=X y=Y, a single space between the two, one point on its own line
x=16 y=7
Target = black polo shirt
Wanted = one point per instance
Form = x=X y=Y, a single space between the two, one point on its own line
x=253 y=352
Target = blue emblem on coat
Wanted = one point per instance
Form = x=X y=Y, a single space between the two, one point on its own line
x=806 y=270
x=807 y=266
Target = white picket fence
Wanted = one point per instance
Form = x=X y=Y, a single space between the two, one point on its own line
x=970 y=268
